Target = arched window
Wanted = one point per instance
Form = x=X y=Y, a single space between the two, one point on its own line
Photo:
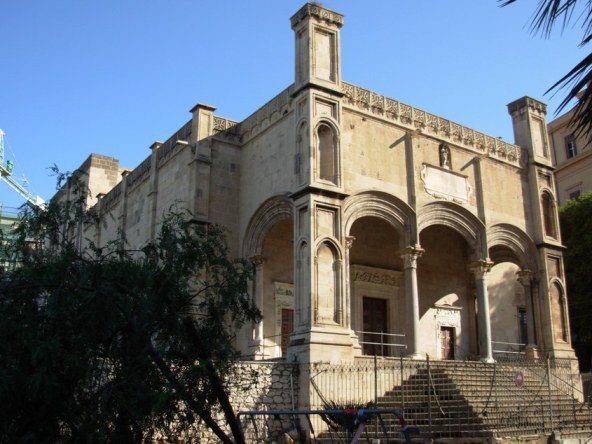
x=549 y=219
x=327 y=153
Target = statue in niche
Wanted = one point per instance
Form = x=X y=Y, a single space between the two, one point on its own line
x=445 y=156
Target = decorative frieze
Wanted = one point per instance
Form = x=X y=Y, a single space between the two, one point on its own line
x=414 y=118
x=376 y=276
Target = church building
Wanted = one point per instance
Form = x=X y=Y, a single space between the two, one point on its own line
x=375 y=228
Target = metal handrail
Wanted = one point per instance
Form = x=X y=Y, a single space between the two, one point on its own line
x=383 y=343
x=514 y=348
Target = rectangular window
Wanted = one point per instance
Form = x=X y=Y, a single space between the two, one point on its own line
x=570 y=146
x=522 y=329
x=574 y=194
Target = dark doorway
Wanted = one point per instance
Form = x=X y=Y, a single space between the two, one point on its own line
x=447 y=341
x=375 y=323
x=287 y=328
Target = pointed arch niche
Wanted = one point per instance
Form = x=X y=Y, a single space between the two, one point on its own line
x=327 y=153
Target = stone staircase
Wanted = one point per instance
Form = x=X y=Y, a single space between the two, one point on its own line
x=467 y=401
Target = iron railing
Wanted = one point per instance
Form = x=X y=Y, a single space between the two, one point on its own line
x=460 y=399
x=381 y=344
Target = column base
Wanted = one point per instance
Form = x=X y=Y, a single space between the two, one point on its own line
x=532 y=352
x=416 y=356
x=488 y=360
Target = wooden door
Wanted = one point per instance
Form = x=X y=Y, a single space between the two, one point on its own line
x=375 y=322
x=287 y=328
x=447 y=342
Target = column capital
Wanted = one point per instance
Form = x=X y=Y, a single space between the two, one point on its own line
x=525 y=277
x=349 y=241
x=481 y=267
x=410 y=255
x=257 y=260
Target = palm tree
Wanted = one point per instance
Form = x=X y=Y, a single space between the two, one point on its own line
x=562 y=13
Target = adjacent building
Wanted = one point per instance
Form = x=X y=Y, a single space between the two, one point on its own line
x=572 y=158
x=374 y=227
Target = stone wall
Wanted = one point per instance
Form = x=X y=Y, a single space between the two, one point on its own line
x=262 y=386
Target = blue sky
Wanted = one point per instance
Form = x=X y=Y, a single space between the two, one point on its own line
x=113 y=76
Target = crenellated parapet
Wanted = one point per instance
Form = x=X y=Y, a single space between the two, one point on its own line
x=268 y=114
x=417 y=119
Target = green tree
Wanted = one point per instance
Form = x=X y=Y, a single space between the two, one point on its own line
x=564 y=13
x=108 y=344
x=576 y=232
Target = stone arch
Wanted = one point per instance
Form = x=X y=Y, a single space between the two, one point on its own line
x=273 y=210
x=507 y=243
x=456 y=217
x=383 y=206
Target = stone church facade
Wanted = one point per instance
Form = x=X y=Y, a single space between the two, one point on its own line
x=374 y=227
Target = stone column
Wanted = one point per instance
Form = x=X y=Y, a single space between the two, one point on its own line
x=480 y=270
x=257 y=291
x=525 y=278
x=349 y=241
x=410 y=256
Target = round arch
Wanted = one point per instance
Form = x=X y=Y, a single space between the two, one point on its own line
x=508 y=243
x=273 y=210
x=456 y=217
x=383 y=206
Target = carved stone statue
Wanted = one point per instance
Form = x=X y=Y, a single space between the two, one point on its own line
x=445 y=156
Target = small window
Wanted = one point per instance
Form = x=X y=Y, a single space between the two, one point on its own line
x=570 y=146
x=574 y=194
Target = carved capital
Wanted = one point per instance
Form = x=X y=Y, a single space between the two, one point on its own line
x=349 y=241
x=525 y=277
x=257 y=261
x=481 y=267
x=410 y=255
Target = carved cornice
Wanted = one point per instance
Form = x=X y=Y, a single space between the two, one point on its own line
x=527 y=102
x=418 y=120
x=319 y=12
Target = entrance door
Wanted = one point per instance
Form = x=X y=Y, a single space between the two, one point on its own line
x=287 y=328
x=375 y=322
x=447 y=342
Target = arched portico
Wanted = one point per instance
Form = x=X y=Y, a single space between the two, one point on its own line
x=513 y=290
x=268 y=243
x=378 y=227
x=455 y=249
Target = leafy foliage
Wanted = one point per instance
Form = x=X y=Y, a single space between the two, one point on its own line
x=108 y=344
x=576 y=232
x=564 y=13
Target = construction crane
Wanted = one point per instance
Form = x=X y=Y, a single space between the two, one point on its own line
x=6 y=176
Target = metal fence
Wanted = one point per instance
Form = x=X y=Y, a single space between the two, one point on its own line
x=515 y=396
